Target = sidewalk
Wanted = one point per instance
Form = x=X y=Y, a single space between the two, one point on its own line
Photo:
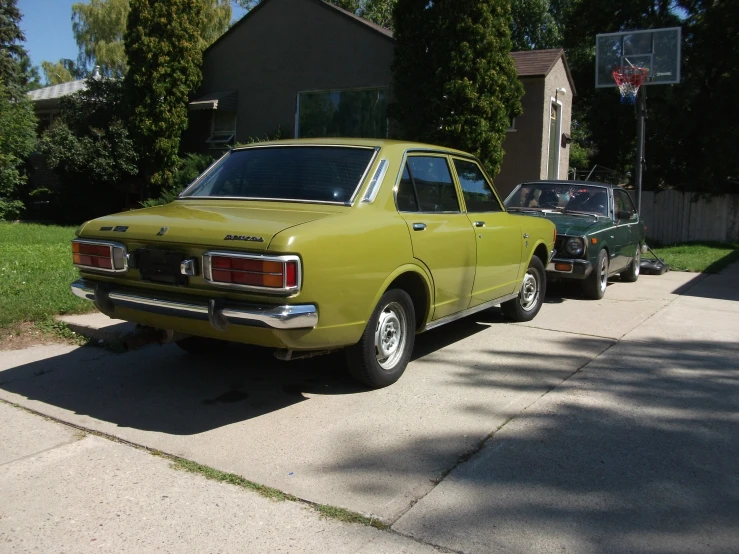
x=64 y=491
x=637 y=452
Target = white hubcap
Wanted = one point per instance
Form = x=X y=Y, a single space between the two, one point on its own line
x=390 y=335
x=529 y=291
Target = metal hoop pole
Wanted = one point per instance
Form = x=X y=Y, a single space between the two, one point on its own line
x=641 y=118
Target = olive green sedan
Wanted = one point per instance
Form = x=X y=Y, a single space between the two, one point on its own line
x=310 y=246
x=599 y=233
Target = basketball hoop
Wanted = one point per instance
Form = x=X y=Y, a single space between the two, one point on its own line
x=629 y=79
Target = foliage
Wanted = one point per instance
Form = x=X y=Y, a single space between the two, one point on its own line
x=188 y=169
x=98 y=28
x=453 y=59
x=164 y=69
x=35 y=272
x=100 y=25
x=91 y=151
x=16 y=71
x=62 y=71
x=17 y=141
x=534 y=26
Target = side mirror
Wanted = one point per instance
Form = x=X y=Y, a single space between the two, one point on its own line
x=623 y=214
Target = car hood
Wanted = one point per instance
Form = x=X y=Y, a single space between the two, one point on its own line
x=573 y=225
x=241 y=224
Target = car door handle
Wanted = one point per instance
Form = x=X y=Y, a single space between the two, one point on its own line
x=525 y=235
x=419 y=226
x=479 y=224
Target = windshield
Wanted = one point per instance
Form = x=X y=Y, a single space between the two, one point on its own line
x=572 y=198
x=302 y=173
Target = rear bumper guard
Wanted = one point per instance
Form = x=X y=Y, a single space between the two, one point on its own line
x=218 y=312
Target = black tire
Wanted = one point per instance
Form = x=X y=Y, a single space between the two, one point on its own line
x=632 y=272
x=529 y=300
x=200 y=346
x=395 y=318
x=594 y=286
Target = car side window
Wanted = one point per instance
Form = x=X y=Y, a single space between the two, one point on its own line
x=406 y=193
x=478 y=194
x=623 y=201
x=432 y=180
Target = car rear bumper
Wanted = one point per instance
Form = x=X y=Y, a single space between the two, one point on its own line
x=569 y=269
x=218 y=312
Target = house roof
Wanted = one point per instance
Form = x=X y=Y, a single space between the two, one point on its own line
x=539 y=63
x=220 y=100
x=57 y=91
x=377 y=28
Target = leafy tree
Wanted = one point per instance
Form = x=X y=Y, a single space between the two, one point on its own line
x=452 y=58
x=17 y=141
x=62 y=71
x=100 y=25
x=91 y=151
x=98 y=28
x=16 y=71
x=164 y=69
x=534 y=26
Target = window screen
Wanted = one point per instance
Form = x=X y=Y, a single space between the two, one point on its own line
x=478 y=195
x=309 y=173
x=434 y=185
x=343 y=113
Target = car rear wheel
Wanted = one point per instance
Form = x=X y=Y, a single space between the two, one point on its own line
x=382 y=354
x=632 y=272
x=529 y=300
x=595 y=284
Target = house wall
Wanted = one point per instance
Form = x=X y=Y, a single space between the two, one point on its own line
x=557 y=78
x=523 y=147
x=288 y=46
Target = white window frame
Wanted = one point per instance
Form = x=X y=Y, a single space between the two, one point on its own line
x=220 y=139
x=558 y=135
x=512 y=128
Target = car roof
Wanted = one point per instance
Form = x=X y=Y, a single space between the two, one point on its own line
x=570 y=183
x=371 y=143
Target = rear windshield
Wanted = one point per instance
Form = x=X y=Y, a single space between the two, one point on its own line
x=303 y=173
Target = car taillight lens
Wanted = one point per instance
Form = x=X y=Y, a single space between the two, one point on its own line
x=101 y=256
x=279 y=273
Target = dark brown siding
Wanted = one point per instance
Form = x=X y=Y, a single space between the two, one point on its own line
x=523 y=147
x=288 y=46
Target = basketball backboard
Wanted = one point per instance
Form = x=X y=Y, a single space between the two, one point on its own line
x=658 y=50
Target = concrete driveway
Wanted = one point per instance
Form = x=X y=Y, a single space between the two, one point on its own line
x=636 y=441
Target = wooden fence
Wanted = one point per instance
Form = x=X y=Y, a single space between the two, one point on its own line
x=673 y=217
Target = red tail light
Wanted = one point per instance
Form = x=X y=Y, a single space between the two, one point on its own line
x=104 y=256
x=272 y=273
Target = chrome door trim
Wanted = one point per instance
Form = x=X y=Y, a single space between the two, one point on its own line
x=469 y=311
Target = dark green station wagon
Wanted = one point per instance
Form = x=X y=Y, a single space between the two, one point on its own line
x=599 y=233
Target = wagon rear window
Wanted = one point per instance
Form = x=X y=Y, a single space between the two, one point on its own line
x=303 y=173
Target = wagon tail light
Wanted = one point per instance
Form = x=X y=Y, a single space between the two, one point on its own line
x=109 y=257
x=280 y=274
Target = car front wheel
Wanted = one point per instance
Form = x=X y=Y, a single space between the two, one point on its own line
x=382 y=354
x=529 y=300
x=594 y=286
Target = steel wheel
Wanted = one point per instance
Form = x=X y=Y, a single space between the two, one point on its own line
x=603 y=275
x=390 y=336
x=637 y=261
x=529 y=291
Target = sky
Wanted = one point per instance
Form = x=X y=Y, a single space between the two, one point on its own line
x=47 y=25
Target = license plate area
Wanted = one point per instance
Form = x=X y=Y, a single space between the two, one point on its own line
x=161 y=266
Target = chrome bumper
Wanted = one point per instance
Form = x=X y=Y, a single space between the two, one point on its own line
x=220 y=313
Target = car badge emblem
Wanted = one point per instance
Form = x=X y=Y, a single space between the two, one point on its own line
x=162 y=231
x=243 y=237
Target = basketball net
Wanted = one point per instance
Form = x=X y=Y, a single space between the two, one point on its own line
x=629 y=79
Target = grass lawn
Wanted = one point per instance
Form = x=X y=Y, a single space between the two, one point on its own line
x=701 y=257
x=35 y=272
